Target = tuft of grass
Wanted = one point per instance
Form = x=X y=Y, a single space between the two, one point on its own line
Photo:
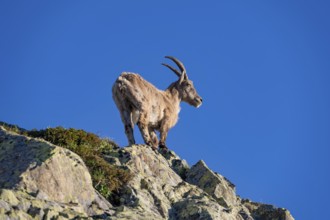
x=107 y=178
x=13 y=128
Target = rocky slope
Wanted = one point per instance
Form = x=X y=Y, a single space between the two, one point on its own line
x=39 y=180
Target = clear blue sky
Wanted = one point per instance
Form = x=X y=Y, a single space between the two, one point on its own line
x=262 y=68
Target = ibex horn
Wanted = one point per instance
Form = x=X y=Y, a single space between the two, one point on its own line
x=173 y=69
x=180 y=65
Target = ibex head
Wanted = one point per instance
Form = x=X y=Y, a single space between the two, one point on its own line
x=185 y=86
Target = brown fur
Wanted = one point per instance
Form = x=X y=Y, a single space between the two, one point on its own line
x=139 y=102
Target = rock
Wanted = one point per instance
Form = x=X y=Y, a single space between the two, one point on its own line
x=158 y=192
x=179 y=166
x=40 y=179
x=9 y=197
x=153 y=179
x=264 y=211
x=196 y=208
x=214 y=184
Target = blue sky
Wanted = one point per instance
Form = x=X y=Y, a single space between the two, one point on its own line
x=262 y=68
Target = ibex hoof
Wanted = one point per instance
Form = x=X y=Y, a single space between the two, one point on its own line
x=163 y=148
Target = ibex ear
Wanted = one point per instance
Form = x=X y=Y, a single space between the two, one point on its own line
x=183 y=77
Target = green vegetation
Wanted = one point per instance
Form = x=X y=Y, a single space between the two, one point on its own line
x=107 y=179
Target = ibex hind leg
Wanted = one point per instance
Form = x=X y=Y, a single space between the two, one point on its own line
x=126 y=117
x=129 y=126
x=125 y=110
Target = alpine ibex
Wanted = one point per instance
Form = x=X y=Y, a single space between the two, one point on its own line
x=139 y=102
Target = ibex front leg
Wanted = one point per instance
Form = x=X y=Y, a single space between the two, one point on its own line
x=154 y=138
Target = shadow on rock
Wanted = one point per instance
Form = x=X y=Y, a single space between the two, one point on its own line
x=19 y=154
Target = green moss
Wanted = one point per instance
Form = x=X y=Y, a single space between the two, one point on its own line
x=107 y=178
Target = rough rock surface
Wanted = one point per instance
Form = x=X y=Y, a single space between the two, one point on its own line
x=40 y=180
x=214 y=184
x=263 y=211
x=43 y=181
x=164 y=187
